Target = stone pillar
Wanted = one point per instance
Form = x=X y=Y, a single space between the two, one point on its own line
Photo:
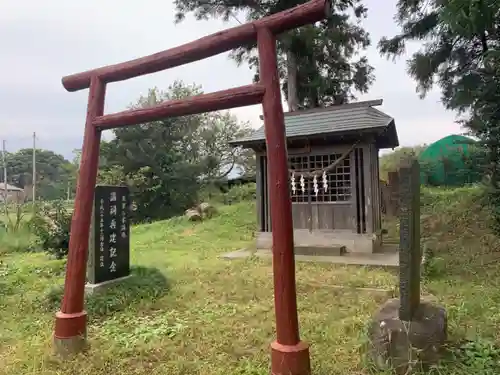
x=408 y=332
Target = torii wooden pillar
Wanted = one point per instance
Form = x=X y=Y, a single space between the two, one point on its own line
x=289 y=355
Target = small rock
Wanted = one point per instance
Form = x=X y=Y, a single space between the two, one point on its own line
x=193 y=215
x=207 y=210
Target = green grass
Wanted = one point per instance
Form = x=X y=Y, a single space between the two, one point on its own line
x=189 y=312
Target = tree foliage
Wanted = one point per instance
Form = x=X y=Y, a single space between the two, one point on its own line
x=457 y=36
x=461 y=55
x=322 y=60
x=53 y=172
x=392 y=161
x=167 y=162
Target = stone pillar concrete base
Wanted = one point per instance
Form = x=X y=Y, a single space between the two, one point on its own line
x=407 y=346
x=290 y=359
x=70 y=334
x=100 y=287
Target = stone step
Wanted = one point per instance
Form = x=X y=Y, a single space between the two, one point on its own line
x=353 y=242
x=312 y=250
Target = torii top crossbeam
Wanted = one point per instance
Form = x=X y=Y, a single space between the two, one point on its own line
x=202 y=48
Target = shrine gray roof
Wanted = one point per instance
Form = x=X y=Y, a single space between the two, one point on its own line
x=340 y=119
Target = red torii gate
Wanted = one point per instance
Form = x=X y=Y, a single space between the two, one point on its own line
x=289 y=355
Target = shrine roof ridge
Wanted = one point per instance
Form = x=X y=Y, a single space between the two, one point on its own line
x=333 y=120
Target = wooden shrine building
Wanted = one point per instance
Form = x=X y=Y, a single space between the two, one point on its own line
x=334 y=177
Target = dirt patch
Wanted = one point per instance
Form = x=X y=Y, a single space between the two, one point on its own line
x=188 y=232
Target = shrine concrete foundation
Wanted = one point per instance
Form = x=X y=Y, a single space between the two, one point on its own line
x=327 y=242
x=390 y=260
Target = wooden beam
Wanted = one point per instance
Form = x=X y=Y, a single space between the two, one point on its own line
x=226 y=99
x=210 y=45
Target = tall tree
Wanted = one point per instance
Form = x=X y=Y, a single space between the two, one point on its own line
x=166 y=162
x=53 y=172
x=461 y=56
x=457 y=36
x=318 y=64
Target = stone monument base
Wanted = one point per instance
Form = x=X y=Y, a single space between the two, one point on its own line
x=96 y=288
x=404 y=346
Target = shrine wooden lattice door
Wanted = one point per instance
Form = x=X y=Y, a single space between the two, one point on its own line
x=323 y=202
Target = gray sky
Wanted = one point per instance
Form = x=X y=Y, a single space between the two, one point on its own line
x=41 y=41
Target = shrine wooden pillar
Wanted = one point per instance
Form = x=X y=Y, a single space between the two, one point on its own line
x=289 y=356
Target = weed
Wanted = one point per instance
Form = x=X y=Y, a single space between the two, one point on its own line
x=481 y=356
x=146 y=329
x=18 y=241
x=433 y=266
x=14 y=221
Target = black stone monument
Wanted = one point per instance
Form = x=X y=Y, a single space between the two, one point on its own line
x=109 y=243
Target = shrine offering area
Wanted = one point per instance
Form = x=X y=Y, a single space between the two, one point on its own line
x=185 y=310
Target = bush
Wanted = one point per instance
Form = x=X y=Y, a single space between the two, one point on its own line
x=51 y=225
x=14 y=220
x=240 y=193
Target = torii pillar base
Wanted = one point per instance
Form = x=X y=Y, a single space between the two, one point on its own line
x=290 y=359
x=70 y=336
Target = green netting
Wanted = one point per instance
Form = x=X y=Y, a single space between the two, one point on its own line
x=447 y=162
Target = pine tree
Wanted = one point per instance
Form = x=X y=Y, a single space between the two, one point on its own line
x=318 y=63
x=461 y=55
